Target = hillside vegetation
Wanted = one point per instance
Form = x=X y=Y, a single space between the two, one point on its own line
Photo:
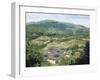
x=49 y=34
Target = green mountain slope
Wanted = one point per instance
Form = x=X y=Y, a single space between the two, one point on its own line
x=55 y=27
x=47 y=36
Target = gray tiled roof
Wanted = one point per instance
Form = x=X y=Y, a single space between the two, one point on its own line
x=55 y=53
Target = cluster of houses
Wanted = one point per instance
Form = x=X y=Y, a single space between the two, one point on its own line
x=55 y=54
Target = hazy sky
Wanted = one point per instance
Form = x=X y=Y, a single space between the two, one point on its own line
x=76 y=19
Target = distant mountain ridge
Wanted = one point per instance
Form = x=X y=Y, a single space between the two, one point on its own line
x=52 y=25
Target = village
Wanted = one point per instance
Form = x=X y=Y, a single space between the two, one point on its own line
x=55 y=54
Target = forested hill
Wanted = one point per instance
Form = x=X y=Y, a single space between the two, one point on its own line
x=52 y=26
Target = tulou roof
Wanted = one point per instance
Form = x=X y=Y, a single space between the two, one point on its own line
x=55 y=53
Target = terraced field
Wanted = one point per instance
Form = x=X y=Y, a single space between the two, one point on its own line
x=55 y=42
